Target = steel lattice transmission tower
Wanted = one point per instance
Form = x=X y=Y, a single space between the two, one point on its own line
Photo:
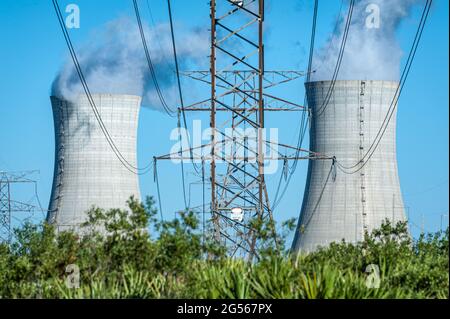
x=239 y=98
x=9 y=206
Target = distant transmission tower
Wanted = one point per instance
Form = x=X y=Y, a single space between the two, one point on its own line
x=239 y=98
x=9 y=206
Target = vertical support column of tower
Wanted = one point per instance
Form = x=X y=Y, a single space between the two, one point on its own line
x=5 y=210
x=361 y=197
x=87 y=172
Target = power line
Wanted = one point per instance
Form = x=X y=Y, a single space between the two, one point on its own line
x=304 y=124
x=336 y=24
x=177 y=69
x=37 y=198
x=396 y=97
x=10 y=206
x=110 y=141
x=428 y=189
x=150 y=62
x=156 y=179
x=203 y=200
x=305 y=117
x=186 y=204
x=330 y=89
x=313 y=39
x=156 y=34
x=91 y=101
x=332 y=169
x=180 y=93
x=339 y=60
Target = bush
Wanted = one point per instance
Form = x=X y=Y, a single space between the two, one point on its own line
x=118 y=258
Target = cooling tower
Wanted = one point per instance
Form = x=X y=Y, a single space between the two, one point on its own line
x=87 y=172
x=343 y=203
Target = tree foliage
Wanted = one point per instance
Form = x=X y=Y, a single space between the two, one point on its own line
x=130 y=254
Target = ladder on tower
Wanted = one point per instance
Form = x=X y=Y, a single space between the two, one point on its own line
x=362 y=173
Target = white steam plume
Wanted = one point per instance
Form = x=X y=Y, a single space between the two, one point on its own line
x=372 y=50
x=113 y=61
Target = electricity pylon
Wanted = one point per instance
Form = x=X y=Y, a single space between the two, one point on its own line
x=239 y=97
x=10 y=206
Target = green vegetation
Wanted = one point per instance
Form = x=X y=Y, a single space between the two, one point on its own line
x=129 y=263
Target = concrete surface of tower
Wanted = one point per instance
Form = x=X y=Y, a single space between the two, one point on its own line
x=87 y=172
x=344 y=203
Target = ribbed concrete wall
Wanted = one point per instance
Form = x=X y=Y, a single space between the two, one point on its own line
x=348 y=204
x=87 y=173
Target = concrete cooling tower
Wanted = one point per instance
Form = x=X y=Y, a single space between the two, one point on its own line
x=87 y=172
x=344 y=203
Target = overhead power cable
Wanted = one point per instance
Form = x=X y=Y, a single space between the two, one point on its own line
x=305 y=117
x=337 y=68
x=117 y=153
x=332 y=170
x=394 y=103
x=150 y=62
x=156 y=179
x=203 y=201
x=180 y=92
x=156 y=34
x=180 y=136
x=329 y=93
x=313 y=39
x=172 y=33
x=330 y=44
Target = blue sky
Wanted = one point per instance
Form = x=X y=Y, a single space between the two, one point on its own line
x=33 y=50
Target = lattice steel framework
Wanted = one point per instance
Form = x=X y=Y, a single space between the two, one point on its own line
x=239 y=99
x=8 y=206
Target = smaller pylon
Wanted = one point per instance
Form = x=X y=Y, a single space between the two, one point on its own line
x=8 y=205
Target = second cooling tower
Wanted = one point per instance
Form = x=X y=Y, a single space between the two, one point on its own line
x=87 y=172
x=355 y=193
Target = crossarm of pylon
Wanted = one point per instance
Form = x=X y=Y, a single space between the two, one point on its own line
x=16 y=177
x=245 y=79
x=285 y=76
x=312 y=155
x=300 y=107
x=176 y=155
x=204 y=104
x=17 y=206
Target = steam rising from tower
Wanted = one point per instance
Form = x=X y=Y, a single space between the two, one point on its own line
x=372 y=50
x=113 y=61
